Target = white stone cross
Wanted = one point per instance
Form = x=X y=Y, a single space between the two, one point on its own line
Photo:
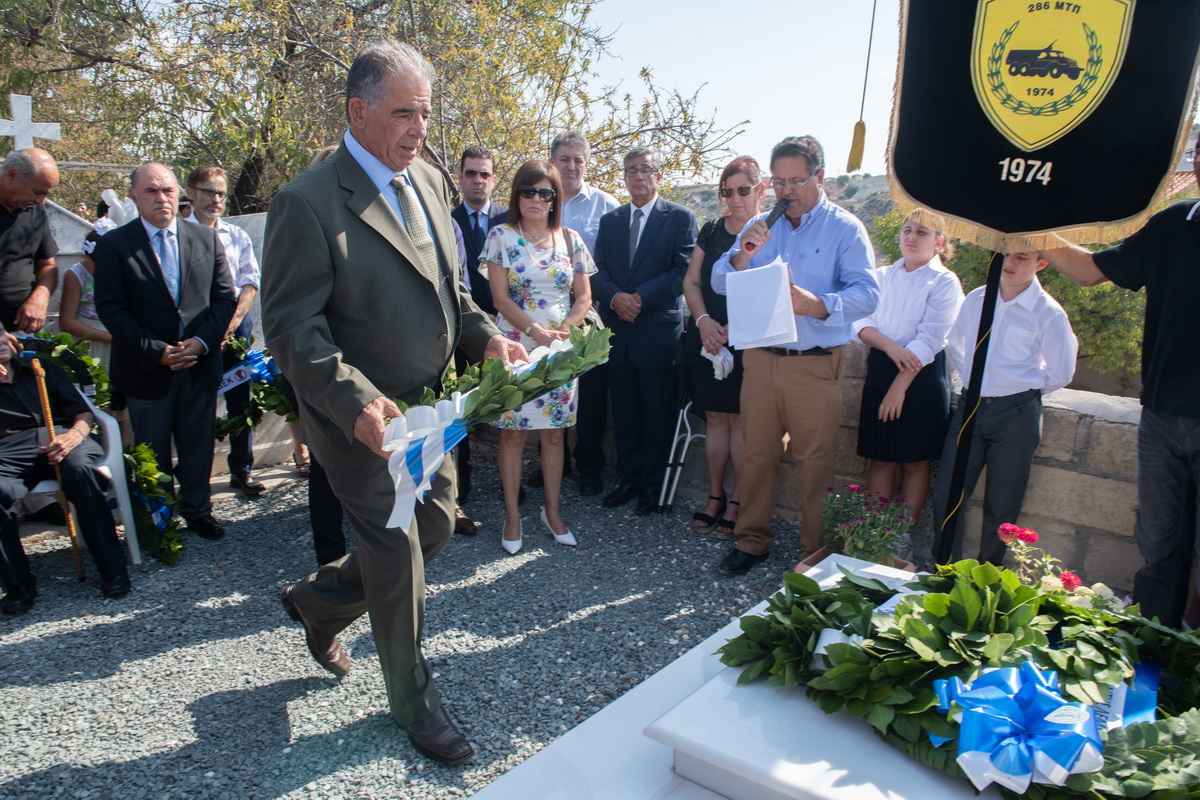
x=22 y=127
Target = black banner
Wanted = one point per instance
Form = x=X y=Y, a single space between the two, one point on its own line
x=1025 y=118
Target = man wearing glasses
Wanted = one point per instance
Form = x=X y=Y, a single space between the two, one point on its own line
x=794 y=389
x=476 y=215
x=207 y=188
x=582 y=207
x=642 y=252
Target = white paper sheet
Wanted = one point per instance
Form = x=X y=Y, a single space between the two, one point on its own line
x=760 y=306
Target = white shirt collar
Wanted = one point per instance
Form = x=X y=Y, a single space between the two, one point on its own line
x=1191 y=214
x=646 y=209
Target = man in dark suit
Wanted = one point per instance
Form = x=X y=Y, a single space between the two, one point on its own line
x=642 y=252
x=475 y=215
x=362 y=303
x=165 y=294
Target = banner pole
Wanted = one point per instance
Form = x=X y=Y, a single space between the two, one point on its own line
x=956 y=501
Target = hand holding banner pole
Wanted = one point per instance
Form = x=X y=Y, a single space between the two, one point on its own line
x=40 y=375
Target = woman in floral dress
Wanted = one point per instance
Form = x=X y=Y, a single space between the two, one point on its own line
x=538 y=272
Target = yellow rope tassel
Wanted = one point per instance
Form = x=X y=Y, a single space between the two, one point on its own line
x=856 y=146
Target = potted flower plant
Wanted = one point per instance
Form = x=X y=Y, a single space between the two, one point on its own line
x=863 y=525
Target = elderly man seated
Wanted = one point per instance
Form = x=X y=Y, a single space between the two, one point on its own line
x=25 y=459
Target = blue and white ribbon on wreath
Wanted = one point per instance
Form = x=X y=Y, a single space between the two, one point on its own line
x=160 y=512
x=1015 y=728
x=257 y=366
x=418 y=443
x=555 y=348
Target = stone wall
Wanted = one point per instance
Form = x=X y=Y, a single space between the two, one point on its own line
x=1082 y=495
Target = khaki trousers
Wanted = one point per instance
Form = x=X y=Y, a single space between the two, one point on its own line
x=385 y=577
x=798 y=396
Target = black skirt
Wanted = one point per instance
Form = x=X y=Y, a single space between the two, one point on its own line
x=919 y=433
x=710 y=394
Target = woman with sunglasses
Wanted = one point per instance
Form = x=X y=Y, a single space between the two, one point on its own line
x=534 y=266
x=741 y=190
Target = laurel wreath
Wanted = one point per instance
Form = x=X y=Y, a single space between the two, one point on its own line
x=1091 y=74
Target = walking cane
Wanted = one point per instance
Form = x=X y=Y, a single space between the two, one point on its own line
x=40 y=375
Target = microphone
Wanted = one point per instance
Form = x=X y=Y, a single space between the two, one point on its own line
x=776 y=212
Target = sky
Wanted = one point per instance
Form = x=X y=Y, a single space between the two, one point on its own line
x=789 y=68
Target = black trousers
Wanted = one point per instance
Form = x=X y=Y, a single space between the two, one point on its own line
x=22 y=465
x=187 y=417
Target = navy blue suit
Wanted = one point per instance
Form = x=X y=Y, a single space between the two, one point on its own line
x=481 y=291
x=642 y=379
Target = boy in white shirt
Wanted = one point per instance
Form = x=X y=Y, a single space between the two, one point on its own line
x=1032 y=352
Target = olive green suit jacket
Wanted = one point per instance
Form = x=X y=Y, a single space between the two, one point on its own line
x=346 y=312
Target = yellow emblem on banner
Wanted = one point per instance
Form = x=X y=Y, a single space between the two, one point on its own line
x=1039 y=68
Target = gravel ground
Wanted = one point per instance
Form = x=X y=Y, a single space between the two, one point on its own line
x=196 y=685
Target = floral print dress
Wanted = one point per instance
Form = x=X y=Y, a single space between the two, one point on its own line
x=539 y=282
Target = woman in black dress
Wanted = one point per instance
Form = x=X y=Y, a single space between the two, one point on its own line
x=741 y=190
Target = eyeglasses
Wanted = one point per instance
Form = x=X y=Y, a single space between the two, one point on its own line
x=528 y=192
x=482 y=173
x=640 y=170
x=779 y=184
x=213 y=193
x=743 y=191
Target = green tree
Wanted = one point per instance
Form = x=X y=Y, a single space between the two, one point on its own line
x=255 y=86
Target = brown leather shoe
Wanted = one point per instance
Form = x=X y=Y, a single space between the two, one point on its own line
x=438 y=737
x=464 y=524
x=326 y=650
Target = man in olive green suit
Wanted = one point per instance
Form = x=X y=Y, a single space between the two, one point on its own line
x=362 y=303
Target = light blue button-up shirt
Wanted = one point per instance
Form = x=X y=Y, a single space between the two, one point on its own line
x=381 y=175
x=830 y=255
x=582 y=213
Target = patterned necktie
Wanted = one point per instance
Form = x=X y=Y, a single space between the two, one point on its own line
x=168 y=263
x=634 y=227
x=414 y=221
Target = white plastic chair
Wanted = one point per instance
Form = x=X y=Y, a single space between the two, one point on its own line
x=113 y=466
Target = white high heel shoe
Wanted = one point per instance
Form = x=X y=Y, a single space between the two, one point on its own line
x=567 y=538
x=511 y=546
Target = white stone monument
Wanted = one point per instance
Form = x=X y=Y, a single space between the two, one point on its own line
x=22 y=127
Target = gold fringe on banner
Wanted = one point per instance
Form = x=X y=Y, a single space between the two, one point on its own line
x=1051 y=238
x=857 y=145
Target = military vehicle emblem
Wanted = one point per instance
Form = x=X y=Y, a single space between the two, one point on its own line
x=1040 y=68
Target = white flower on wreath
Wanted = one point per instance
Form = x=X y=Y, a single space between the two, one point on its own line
x=1051 y=583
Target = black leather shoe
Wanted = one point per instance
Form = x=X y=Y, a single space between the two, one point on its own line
x=440 y=739
x=246 y=484
x=464 y=524
x=590 y=485
x=739 y=562
x=118 y=586
x=206 y=527
x=646 y=504
x=327 y=650
x=20 y=599
x=620 y=496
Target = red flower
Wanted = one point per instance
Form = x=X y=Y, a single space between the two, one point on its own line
x=1070 y=581
x=1028 y=535
x=1008 y=532
x=854 y=487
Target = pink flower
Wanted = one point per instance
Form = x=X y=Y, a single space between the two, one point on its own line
x=854 y=487
x=1070 y=581
x=1028 y=536
x=1008 y=532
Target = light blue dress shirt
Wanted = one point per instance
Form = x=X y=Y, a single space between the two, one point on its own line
x=582 y=213
x=381 y=175
x=830 y=255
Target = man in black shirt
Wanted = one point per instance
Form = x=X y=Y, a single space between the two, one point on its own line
x=24 y=461
x=1164 y=257
x=28 y=275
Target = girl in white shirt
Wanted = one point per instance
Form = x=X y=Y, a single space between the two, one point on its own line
x=906 y=395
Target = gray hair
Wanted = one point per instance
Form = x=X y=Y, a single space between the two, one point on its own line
x=807 y=146
x=571 y=139
x=645 y=152
x=379 y=60
x=133 y=176
x=23 y=163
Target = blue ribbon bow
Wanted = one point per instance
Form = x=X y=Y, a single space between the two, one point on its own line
x=1016 y=728
x=262 y=366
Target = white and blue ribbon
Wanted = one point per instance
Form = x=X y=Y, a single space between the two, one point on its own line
x=1016 y=729
x=418 y=443
x=556 y=348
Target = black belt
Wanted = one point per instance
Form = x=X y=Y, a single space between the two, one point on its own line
x=812 y=351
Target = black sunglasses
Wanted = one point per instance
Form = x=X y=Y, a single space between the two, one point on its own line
x=743 y=191
x=528 y=192
x=483 y=173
